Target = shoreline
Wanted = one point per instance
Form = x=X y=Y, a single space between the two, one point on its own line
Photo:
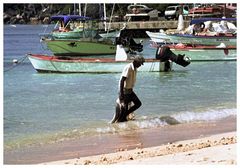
x=215 y=149
x=119 y=142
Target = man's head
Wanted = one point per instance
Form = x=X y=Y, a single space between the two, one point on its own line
x=138 y=61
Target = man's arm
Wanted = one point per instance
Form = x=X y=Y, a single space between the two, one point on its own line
x=121 y=96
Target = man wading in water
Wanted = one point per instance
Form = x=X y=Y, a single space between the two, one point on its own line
x=126 y=93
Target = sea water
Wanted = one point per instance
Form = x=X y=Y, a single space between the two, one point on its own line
x=50 y=107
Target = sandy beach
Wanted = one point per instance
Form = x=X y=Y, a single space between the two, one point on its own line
x=131 y=145
x=212 y=143
x=215 y=149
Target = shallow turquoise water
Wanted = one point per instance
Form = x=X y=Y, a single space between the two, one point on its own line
x=45 y=108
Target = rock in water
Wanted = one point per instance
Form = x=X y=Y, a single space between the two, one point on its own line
x=169 y=120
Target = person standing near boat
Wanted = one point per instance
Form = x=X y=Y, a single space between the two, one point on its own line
x=126 y=85
x=195 y=29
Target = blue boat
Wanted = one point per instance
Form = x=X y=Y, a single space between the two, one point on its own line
x=77 y=36
x=71 y=27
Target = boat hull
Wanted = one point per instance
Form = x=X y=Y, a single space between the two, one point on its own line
x=191 y=39
x=44 y=63
x=207 y=54
x=78 y=48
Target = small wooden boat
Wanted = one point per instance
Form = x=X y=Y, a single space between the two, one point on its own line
x=193 y=39
x=45 y=63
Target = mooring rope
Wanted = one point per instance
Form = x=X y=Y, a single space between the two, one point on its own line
x=21 y=60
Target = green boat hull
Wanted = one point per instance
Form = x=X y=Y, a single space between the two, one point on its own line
x=79 y=48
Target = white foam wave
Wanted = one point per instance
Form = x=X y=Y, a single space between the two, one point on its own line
x=106 y=130
x=205 y=116
x=132 y=125
x=152 y=123
x=181 y=117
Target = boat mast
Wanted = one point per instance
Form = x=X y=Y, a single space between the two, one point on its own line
x=109 y=25
x=104 y=16
x=194 y=6
x=224 y=10
x=80 y=10
x=85 y=10
x=74 y=9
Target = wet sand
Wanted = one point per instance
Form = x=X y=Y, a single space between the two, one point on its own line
x=216 y=149
x=121 y=142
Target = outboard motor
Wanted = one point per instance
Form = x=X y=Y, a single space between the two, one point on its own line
x=130 y=43
x=127 y=41
x=164 y=54
x=135 y=46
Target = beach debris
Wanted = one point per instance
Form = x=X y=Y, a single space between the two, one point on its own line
x=119 y=157
x=87 y=162
x=180 y=145
x=189 y=154
x=103 y=159
x=140 y=152
x=130 y=158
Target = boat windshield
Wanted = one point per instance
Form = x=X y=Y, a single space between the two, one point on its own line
x=171 y=8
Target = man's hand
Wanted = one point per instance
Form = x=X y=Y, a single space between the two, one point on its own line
x=121 y=95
